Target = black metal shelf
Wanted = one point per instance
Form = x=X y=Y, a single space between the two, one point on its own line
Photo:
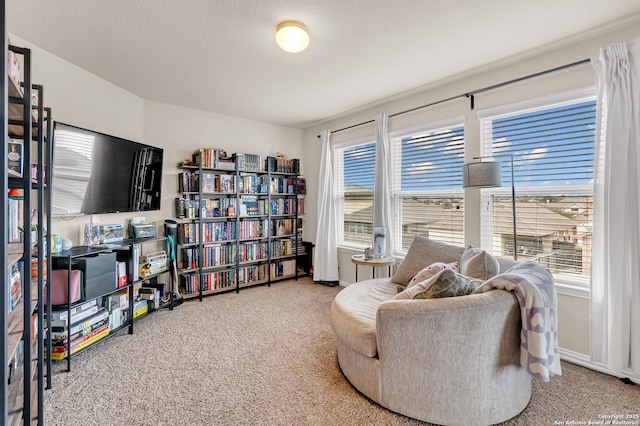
x=25 y=122
x=269 y=173
x=88 y=251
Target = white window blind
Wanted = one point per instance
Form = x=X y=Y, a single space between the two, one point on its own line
x=553 y=154
x=427 y=185
x=355 y=168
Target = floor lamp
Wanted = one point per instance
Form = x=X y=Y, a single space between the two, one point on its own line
x=488 y=174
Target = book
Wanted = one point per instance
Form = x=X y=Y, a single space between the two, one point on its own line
x=95 y=336
x=150 y=294
x=62 y=332
x=143 y=309
x=59 y=339
x=59 y=318
x=80 y=342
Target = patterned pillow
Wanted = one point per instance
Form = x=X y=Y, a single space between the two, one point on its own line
x=421 y=253
x=477 y=263
x=431 y=270
x=446 y=283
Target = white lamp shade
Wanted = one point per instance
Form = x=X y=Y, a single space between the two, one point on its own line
x=487 y=174
x=292 y=36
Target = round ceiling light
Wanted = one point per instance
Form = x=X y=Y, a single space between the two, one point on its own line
x=292 y=36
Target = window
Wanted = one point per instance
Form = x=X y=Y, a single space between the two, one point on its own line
x=354 y=177
x=552 y=144
x=427 y=186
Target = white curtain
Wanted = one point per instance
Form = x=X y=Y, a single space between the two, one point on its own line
x=615 y=280
x=382 y=209
x=325 y=258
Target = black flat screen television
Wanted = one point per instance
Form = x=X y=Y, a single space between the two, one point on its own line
x=94 y=173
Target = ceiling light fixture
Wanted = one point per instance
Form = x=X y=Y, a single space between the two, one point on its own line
x=292 y=36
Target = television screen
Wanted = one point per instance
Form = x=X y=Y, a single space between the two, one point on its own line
x=95 y=173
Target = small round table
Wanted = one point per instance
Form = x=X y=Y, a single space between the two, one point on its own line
x=374 y=262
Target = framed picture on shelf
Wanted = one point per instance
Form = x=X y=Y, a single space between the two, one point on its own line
x=91 y=234
x=226 y=183
x=14 y=156
x=208 y=182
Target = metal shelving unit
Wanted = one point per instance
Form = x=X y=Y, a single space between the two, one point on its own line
x=23 y=397
x=240 y=241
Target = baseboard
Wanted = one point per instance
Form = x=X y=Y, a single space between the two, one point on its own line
x=585 y=361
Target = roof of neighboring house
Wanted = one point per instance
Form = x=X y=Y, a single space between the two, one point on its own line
x=532 y=219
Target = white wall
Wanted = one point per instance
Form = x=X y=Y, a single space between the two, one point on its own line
x=82 y=99
x=181 y=131
x=573 y=311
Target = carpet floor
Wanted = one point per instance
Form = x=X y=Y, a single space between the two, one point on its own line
x=265 y=356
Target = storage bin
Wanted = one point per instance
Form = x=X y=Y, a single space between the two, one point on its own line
x=98 y=273
x=59 y=282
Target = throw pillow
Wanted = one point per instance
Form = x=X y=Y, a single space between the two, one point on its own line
x=446 y=283
x=421 y=253
x=431 y=270
x=477 y=263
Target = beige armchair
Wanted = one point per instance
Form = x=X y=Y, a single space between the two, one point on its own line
x=453 y=361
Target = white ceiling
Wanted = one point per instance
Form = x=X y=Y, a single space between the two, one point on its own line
x=221 y=56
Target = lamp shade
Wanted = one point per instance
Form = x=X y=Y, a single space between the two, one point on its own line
x=292 y=36
x=485 y=174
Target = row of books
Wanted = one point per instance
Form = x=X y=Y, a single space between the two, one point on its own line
x=188 y=182
x=287 y=206
x=89 y=323
x=255 y=228
x=213 y=255
x=284 y=165
x=225 y=254
x=283 y=186
x=284 y=227
x=284 y=248
x=226 y=207
x=283 y=268
x=252 y=184
x=252 y=206
x=218 y=183
x=212 y=183
x=208 y=183
x=188 y=233
x=214 y=158
x=253 y=251
x=208 y=208
x=190 y=284
x=93 y=320
x=254 y=273
x=251 y=162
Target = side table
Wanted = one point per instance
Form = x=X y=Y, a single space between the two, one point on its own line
x=374 y=262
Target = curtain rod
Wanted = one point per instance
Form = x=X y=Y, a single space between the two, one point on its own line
x=472 y=93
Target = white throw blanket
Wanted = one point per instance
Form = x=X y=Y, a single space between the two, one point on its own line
x=534 y=288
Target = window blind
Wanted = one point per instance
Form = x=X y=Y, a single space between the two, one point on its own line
x=428 y=196
x=355 y=168
x=553 y=158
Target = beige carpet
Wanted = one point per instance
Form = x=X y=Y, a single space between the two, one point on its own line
x=265 y=356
